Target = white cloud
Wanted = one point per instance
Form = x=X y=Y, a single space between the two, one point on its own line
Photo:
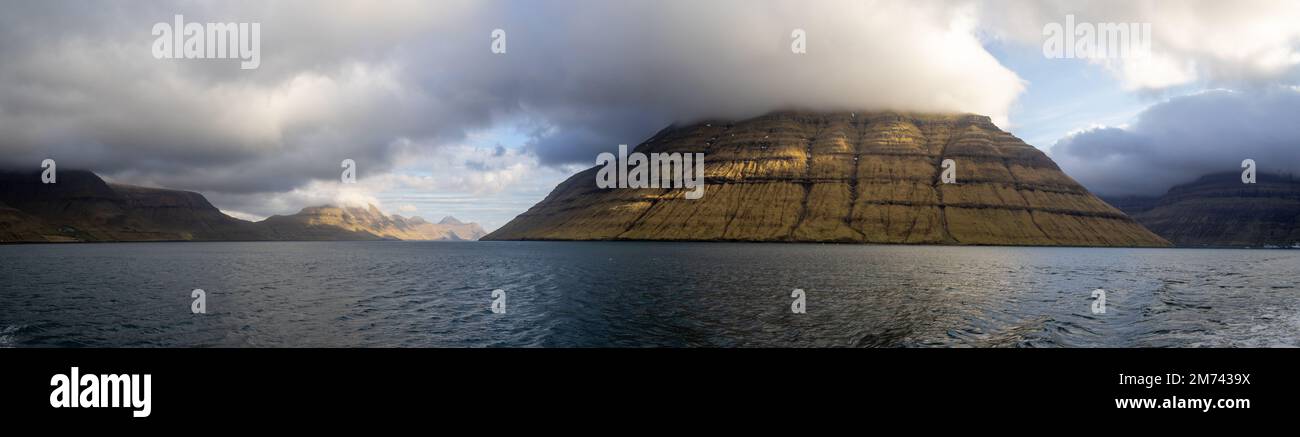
x=1233 y=43
x=314 y=193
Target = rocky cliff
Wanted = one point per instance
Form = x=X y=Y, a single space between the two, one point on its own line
x=1219 y=210
x=842 y=177
x=82 y=207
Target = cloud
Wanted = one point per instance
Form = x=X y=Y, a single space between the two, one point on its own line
x=257 y=206
x=84 y=88
x=488 y=184
x=1237 y=44
x=632 y=68
x=366 y=82
x=1186 y=137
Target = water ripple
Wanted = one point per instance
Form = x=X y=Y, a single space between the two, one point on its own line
x=345 y=294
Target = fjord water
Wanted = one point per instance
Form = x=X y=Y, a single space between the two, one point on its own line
x=417 y=294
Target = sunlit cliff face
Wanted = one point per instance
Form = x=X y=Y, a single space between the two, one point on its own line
x=842 y=177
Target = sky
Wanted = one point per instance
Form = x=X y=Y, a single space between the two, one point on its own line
x=439 y=124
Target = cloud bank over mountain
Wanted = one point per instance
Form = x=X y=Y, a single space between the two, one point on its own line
x=374 y=82
x=1183 y=138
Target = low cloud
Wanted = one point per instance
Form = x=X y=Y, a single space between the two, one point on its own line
x=1181 y=139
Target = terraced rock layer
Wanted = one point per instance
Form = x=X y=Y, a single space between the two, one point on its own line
x=842 y=177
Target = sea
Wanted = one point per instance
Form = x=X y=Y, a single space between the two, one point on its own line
x=642 y=294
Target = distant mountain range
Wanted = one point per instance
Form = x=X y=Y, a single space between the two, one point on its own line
x=1219 y=210
x=849 y=177
x=83 y=207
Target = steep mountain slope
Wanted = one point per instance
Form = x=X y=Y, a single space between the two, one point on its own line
x=82 y=207
x=184 y=213
x=1219 y=210
x=842 y=177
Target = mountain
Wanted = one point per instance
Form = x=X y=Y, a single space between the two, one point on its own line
x=16 y=225
x=1219 y=210
x=842 y=177
x=82 y=207
x=334 y=223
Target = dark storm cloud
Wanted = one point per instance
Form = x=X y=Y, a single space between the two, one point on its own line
x=1187 y=137
x=80 y=84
